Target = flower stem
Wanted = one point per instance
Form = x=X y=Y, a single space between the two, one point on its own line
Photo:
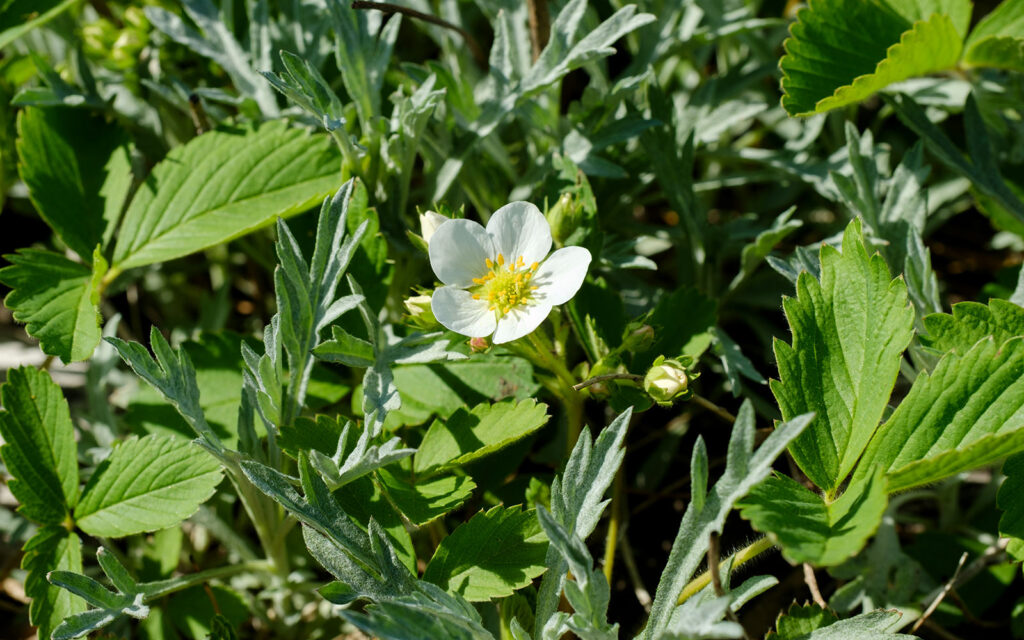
x=542 y=354
x=739 y=558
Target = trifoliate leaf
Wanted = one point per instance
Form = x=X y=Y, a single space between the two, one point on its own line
x=806 y=527
x=849 y=331
x=147 y=484
x=52 y=548
x=77 y=171
x=964 y=414
x=842 y=51
x=221 y=185
x=57 y=300
x=39 y=445
x=469 y=435
x=492 y=555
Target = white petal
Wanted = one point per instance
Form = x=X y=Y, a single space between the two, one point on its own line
x=561 y=275
x=520 y=321
x=520 y=229
x=458 y=250
x=457 y=310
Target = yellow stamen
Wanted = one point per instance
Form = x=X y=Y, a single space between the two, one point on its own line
x=487 y=261
x=476 y=296
x=533 y=267
x=501 y=259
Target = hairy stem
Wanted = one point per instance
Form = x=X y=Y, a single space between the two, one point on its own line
x=738 y=559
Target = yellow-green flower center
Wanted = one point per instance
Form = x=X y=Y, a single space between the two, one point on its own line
x=506 y=285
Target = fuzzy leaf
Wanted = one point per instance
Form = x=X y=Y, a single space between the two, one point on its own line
x=492 y=555
x=806 y=527
x=577 y=501
x=967 y=413
x=706 y=512
x=39 y=448
x=875 y=625
x=147 y=484
x=470 y=435
x=849 y=331
x=222 y=185
x=57 y=300
x=843 y=51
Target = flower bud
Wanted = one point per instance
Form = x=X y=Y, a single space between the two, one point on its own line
x=429 y=222
x=420 y=313
x=563 y=217
x=479 y=345
x=667 y=381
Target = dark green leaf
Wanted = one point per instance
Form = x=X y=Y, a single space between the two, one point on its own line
x=39 y=445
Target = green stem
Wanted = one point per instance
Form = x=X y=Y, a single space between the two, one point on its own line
x=612 y=539
x=545 y=357
x=348 y=150
x=738 y=559
x=167 y=587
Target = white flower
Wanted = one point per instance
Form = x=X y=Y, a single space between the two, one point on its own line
x=429 y=222
x=501 y=279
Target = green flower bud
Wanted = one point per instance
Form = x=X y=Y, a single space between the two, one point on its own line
x=421 y=315
x=667 y=381
x=564 y=217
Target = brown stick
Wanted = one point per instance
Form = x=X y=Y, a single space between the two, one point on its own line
x=942 y=594
x=607 y=376
x=812 y=585
x=540 y=26
x=387 y=7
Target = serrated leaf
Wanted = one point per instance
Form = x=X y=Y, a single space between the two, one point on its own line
x=39 y=448
x=875 y=625
x=842 y=51
x=77 y=171
x=966 y=413
x=799 y=621
x=422 y=501
x=849 y=331
x=222 y=185
x=52 y=548
x=146 y=484
x=492 y=555
x=806 y=527
x=470 y=435
x=440 y=389
x=56 y=299
x=706 y=513
x=998 y=39
x=970 y=322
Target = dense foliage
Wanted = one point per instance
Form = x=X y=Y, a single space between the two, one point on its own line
x=680 y=319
